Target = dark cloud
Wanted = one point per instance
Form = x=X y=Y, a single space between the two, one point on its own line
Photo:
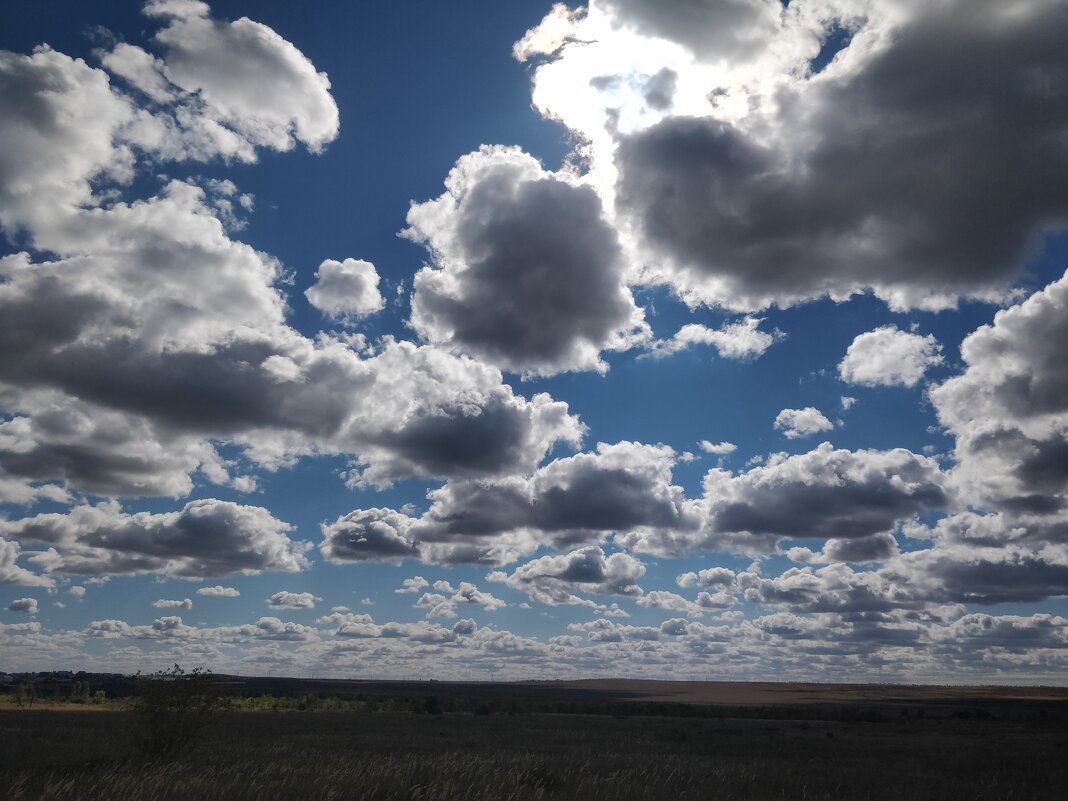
x=379 y=535
x=573 y=500
x=292 y=600
x=25 y=605
x=911 y=168
x=660 y=89
x=555 y=579
x=206 y=538
x=528 y=275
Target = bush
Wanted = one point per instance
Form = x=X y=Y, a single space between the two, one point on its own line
x=173 y=706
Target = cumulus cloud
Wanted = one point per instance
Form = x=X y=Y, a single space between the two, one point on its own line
x=172 y=628
x=206 y=538
x=717 y=448
x=874 y=548
x=11 y=573
x=572 y=500
x=227 y=65
x=889 y=356
x=555 y=579
x=378 y=535
x=709 y=577
x=742 y=340
x=26 y=605
x=413 y=584
x=771 y=180
x=219 y=591
x=798 y=423
x=164 y=603
x=673 y=602
x=293 y=600
x=1008 y=410
x=823 y=494
x=346 y=290
x=445 y=601
x=526 y=272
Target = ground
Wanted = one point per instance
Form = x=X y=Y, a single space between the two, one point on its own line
x=991 y=744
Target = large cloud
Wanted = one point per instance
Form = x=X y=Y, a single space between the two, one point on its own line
x=1009 y=408
x=572 y=500
x=822 y=494
x=206 y=538
x=527 y=273
x=904 y=165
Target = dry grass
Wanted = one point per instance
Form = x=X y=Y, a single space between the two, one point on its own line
x=375 y=757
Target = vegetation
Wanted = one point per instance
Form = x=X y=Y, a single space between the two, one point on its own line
x=312 y=756
x=174 y=706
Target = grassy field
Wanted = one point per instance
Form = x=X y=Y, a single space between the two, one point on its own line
x=315 y=756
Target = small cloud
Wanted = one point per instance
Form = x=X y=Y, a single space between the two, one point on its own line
x=717 y=448
x=293 y=600
x=164 y=603
x=218 y=591
x=26 y=605
x=797 y=423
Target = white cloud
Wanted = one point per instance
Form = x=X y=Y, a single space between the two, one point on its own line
x=797 y=423
x=346 y=290
x=413 y=584
x=742 y=340
x=219 y=591
x=164 y=603
x=227 y=65
x=293 y=600
x=11 y=573
x=445 y=602
x=1008 y=410
x=717 y=448
x=889 y=356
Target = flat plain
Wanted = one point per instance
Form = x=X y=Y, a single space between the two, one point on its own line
x=562 y=740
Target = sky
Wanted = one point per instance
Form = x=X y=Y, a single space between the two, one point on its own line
x=470 y=340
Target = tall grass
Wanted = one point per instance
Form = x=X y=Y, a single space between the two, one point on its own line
x=407 y=757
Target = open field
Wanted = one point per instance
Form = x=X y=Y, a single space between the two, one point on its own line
x=844 y=749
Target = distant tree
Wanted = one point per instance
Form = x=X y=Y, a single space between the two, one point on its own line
x=25 y=694
x=173 y=706
x=79 y=692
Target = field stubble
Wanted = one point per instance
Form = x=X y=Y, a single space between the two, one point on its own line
x=256 y=756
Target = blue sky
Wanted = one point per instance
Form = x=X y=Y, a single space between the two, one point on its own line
x=272 y=276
